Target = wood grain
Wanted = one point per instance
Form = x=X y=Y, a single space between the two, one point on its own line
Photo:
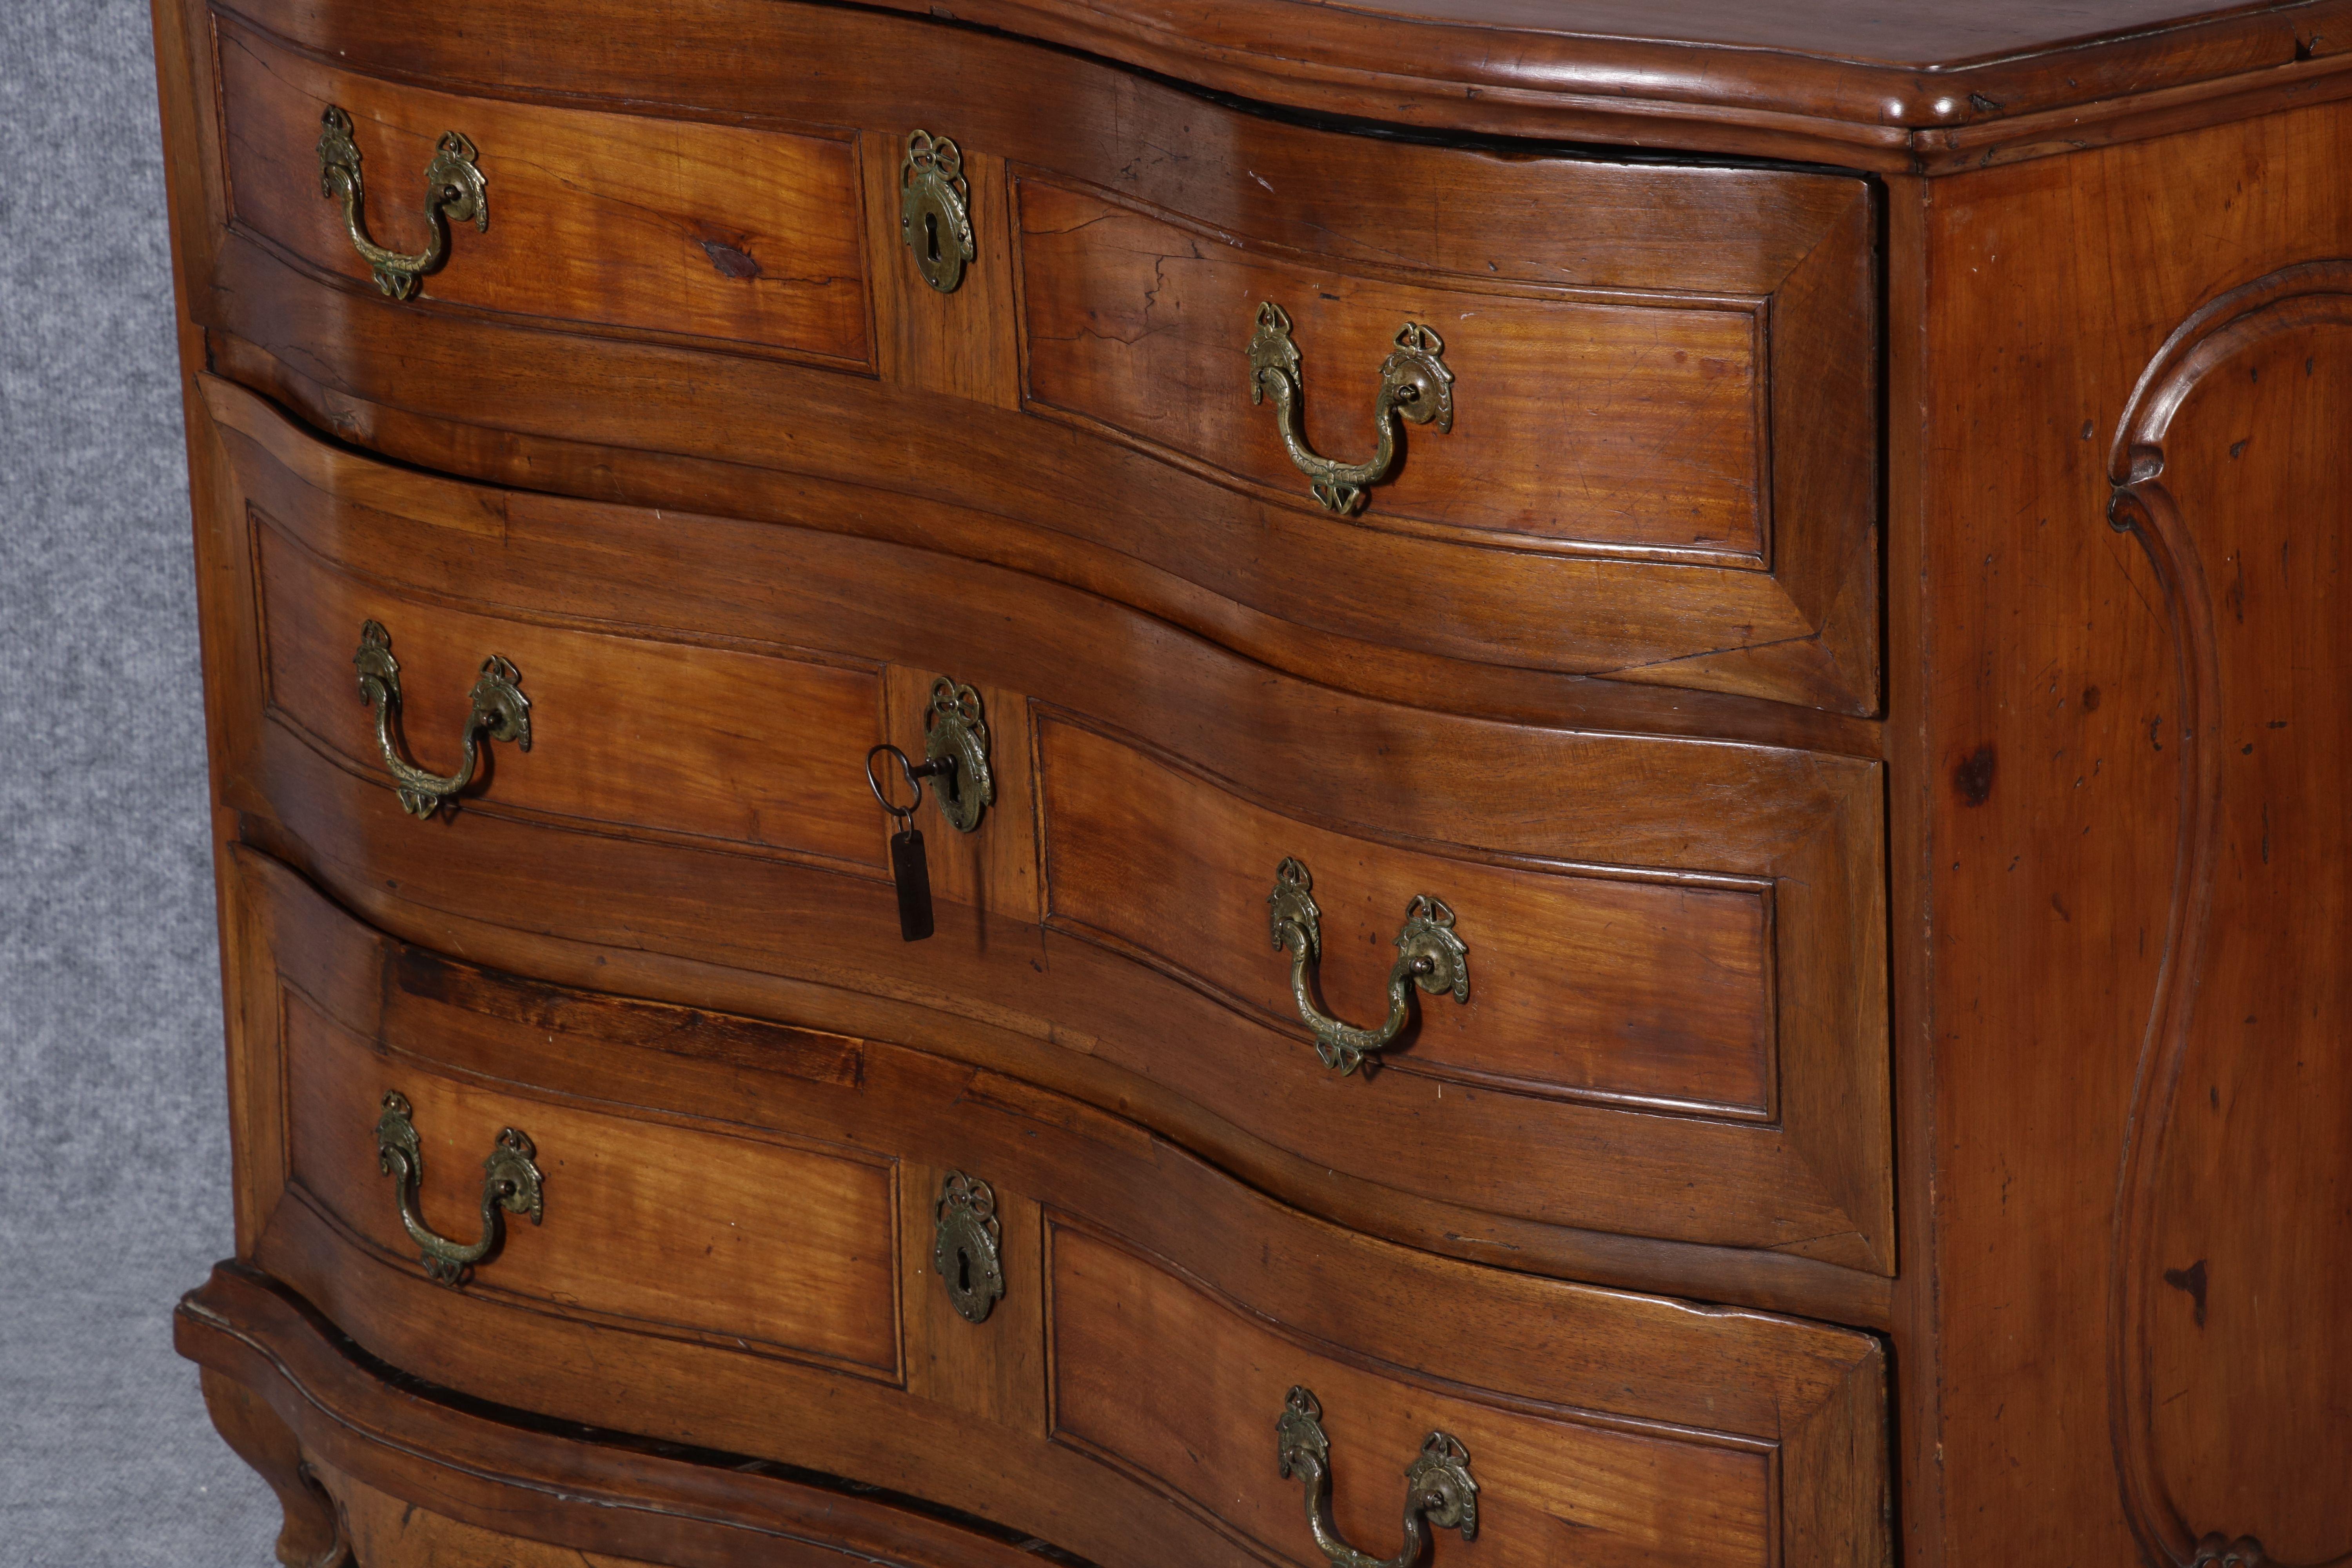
x=1655 y=993
x=1804 y=632
x=602 y=221
x=1612 y=426
x=1533 y=1368
x=1804 y=1169
x=2057 y=700
x=710 y=743
x=791 y=1248
x=1547 y=1487
x=2227 y=1322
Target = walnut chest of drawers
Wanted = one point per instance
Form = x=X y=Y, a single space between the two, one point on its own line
x=1175 y=781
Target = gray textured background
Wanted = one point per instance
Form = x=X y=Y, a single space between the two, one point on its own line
x=114 y=1143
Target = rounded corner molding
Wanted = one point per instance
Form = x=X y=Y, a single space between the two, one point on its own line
x=2141 y=503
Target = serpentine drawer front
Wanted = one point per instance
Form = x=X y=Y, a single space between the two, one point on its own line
x=726 y=1200
x=1646 y=453
x=1682 y=977
x=1253 y=781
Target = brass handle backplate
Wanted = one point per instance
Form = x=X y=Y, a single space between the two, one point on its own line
x=500 y=710
x=935 y=210
x=1438 y=1490
x=1428 y=955
x=1415 y=385
x=510 y=1181
x=967 y=1247
x=454 y=193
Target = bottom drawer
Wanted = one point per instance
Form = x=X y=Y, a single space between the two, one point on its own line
x=889 y=1266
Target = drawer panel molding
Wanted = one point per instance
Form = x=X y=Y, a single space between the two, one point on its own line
x=721 y=1269
x=607 y=223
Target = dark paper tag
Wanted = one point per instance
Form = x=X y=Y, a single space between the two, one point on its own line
x=912 y=871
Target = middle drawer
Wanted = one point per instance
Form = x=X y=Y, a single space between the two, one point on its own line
x=1514 y=993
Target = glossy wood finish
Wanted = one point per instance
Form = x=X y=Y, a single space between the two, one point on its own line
x=2008 y=804
x=600 y=222
x=1590 y=1411
x=2128 y=744
x=1622 y=965
x=1849 y=83
x=1732 y=553
x=787 y=1244
x=1585 y=425
x=526 y=1481
x=701 y=744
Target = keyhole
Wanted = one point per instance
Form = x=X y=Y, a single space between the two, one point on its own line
x=963 y=1272
x=931 y=235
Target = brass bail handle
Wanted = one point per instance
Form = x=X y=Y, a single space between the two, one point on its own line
x=511 y=1184
x=455 y=192
x=1438 y=1491
x=1415 y=385
x=499 y=711
x=1429 y=956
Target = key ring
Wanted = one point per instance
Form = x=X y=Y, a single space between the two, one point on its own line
x=916 y=773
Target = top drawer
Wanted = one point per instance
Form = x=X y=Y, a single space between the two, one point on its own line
x=1475 y=404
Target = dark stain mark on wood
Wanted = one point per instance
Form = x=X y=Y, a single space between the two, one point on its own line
x=2192 y=1279
x=730 y=261
x=2090 y=700
x=1973 y=776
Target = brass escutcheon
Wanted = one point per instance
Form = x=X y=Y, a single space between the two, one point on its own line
x=935 y=210
x=1429 y=955
x=500 y=710
x=954 y=731
x=455 y=192
x=1415 y=385
x=510 y=1181
x=1438 y=1490
x=967 y=1249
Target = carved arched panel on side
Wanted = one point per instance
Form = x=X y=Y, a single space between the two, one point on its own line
x=2231 y=1377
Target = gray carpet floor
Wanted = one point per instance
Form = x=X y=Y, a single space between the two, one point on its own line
x=113 y=1148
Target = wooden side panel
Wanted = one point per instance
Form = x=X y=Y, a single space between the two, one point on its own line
x=618 y=221
x=1625 y=426
x=789 y=1250
x=1166 y=1383
x=710 y=742
x=2102 y=1157
x=1655 y=993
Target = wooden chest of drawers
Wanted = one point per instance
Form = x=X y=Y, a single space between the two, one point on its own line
x=1613 y=714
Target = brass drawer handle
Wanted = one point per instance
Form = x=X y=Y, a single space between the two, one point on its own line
x=509 y=1182
x=1438 y=1490
x=454 y=193
x=1415 y=385
x=935 y=210
x=500 y=710
x=1428 y=955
